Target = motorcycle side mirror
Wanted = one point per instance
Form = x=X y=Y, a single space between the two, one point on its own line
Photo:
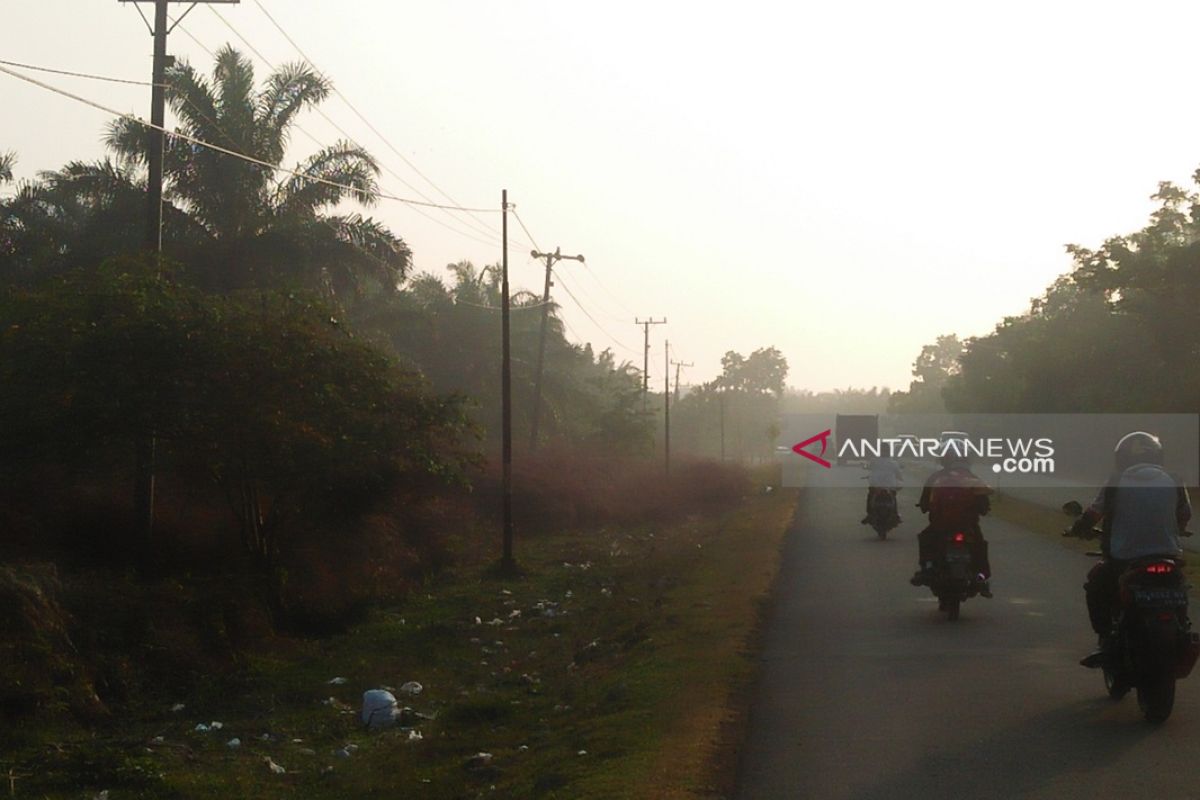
x=1072 y=508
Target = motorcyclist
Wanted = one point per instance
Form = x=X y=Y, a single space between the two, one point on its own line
x=1142 y=510
x=884 y=476
x=955 y=498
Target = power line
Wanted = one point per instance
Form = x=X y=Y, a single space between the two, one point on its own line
x=493 y=240
x=586 y=313
x=70 y=74
x=521 y=222
x=587 y=268
x=360 y=115
x=232 y=153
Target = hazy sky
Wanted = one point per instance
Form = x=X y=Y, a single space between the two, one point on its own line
x=844 y=181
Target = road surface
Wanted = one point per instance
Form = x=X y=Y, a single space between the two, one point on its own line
x=867 y=692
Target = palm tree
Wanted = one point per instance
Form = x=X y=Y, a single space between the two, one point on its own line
x=6 y=166
x=263 y=227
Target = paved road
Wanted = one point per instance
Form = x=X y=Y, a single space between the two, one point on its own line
x=868 y=693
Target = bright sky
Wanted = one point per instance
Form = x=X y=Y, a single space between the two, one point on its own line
x=844 y=181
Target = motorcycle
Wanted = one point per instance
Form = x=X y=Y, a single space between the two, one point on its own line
x=883 y=513
x=954 y=579
x=1153 y=645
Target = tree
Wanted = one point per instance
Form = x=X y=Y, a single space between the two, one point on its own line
x=262 y=228
x=934 y=366
x=7 y=160
x=265 y=396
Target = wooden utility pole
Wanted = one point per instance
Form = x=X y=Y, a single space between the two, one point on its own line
x=646 y=355
x=551 y=258
x=507 y=563
x=143 y=489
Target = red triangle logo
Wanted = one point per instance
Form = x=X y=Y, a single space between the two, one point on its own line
x=823 y=438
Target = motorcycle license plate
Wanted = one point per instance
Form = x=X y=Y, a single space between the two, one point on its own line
x=958 y=558
x=1160 y=597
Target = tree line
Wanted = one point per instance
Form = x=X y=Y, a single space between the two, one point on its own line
x=1115 y=334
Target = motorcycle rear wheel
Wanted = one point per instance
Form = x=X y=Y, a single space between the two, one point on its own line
x=1156 y=697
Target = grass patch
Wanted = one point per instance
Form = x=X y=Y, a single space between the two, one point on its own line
x=606 y=669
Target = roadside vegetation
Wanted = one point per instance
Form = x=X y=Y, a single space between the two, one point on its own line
x=315 y=427
x=1115 y=334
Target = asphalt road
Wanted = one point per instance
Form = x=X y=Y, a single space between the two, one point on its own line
x=868 y=692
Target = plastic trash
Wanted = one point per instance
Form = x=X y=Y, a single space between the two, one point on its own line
x=201 y=728
x=175 y=709
x=415 y=736
x=379 y=709
x=412 y=688
x=479 y=760
x=234 y=743
x=338 y=681
x=275 y=768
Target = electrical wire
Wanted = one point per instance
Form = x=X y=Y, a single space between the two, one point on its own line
x=70 y=74
x=522 y=224
x=588 y=314
x=232 y=153
x=360 y=115
x=321 y=112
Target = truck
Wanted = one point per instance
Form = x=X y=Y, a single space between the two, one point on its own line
x=854 y=427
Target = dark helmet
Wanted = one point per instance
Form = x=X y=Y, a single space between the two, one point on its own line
x=1138 y=447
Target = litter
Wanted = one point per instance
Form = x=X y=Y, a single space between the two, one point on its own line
x=412 y=688
x=379 y=709
x=339 y=681
x=275 y=768
x=415 y=736
x=234 y=743
x=175 y=709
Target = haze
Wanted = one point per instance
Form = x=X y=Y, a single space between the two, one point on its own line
x=843 y=182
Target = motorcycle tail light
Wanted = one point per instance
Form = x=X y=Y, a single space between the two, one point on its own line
x=960 y=537
x=1161 y=568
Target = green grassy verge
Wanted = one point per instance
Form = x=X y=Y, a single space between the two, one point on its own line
x=608 y=670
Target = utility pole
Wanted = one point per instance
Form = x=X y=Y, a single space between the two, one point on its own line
x=721 y=395
x=143 y=489
x=646 y=357
x=678 y=366
x=551 y=258
x=667 y=404
x=507 y=563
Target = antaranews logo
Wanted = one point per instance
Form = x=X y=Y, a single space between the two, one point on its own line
x=1009 y=455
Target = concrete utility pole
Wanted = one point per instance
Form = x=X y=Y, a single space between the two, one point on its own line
x=667 y=404
x=143 y=489
x=678 y=366
x=551 y=258
x=646 y=358
x=507 y=563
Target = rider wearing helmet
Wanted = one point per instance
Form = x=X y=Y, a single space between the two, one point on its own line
x=1142 y=511
x=955 y=498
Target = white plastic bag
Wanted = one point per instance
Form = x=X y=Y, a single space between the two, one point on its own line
x=379 y=709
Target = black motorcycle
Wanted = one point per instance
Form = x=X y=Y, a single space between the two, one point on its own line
x=954 y=579
x=883 y=514
x=1152 y=642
